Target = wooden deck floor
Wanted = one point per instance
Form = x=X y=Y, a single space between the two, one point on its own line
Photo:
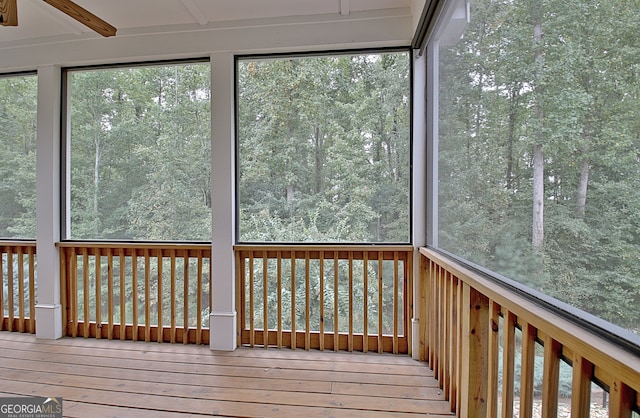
x=99 y=378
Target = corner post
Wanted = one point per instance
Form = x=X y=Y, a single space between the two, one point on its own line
x=419 y=190
x=474 y=346
x=48 y=310
x=223 y=322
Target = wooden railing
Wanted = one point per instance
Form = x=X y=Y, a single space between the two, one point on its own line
x=18 y=279
x=497 y=354
x=354 y=298
x=150 y=292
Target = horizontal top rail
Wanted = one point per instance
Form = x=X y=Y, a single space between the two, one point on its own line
x=19 y=243
x=154 y=249
x=327 y=250
x=599 y=351
x=142 y=245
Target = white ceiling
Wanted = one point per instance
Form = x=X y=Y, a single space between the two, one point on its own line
x=38 y=21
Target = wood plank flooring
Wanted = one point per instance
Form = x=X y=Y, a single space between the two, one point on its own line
x=100 y=378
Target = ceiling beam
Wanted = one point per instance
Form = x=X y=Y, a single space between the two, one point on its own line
x=8 y=13
x=83 y=16
x=195 y=11
x=344 y=7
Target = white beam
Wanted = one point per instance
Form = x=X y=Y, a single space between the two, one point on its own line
x=419 y=198
x=48 y=310
x=344 y=7
x=223 y=288
x=195 y=11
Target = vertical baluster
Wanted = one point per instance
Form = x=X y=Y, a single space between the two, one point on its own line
x=20 y=253
x=110 y=293
x=85 y=293
x=380 y=303
x=265 y=301
x=365 y=302
x=441 y=327
x=422 y=308
x=73 y=288
x=241 y=293
x=581 y=387
x=621 y=401
x=396 y=291
x=199 y=300
x=527 y=370
x=551 y=376
x=350 y=315
x=252 y=330
x=134 y=294
x=446 y=341
x=294 y=334
x=508 y=356
x=454 y=343
x=321 y=284
x=185 y=291
x=433 y=316
x=10 y=296
x=2 y=308
x=147 y=295
x=408 y=301
x=459 y=310
x=279 y=278
x=307 y=302
x=98 y=256
x=123 y=297
x=172 y=255
x=494 y=348
x=32 y=290
x=172 y=286
x=64 y=289
x=160 y=336
x=336 y=288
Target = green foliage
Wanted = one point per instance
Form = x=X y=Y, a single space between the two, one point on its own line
x=491 y=96
x=324 y=149
x=18 y=107
x=141 y=153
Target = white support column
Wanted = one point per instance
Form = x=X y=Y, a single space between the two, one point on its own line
x=419 y=191
x=223 y=322
x=48 y=309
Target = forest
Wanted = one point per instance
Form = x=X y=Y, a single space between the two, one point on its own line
x=539 y=148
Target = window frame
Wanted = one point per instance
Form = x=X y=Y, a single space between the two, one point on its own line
x=65 y=148
x=319 y=54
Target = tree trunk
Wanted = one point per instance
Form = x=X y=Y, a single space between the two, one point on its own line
x=511 y=137
x=96 y=184
x=581 y=195
x=319 y=161
x=537 y=239
x=538 y=198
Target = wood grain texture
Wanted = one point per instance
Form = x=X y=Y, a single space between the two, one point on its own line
x=83 y=16
x=8 y=13
x=102 y=378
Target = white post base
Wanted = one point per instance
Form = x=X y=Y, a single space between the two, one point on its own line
x=48 y=321
x=415 y=338
x=222 y=327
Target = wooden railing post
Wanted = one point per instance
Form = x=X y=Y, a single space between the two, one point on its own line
x=474 y=346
